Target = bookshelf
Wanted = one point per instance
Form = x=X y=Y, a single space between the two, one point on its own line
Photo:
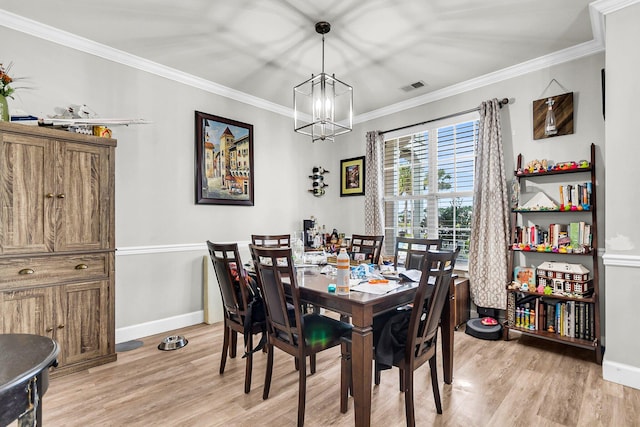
x=555 y=246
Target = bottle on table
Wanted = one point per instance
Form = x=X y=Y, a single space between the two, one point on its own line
x=342 y=275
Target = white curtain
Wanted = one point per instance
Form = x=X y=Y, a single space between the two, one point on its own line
x=373 y=186
x=488 y=253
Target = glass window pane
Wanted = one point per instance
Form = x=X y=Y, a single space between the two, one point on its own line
x=454 y=223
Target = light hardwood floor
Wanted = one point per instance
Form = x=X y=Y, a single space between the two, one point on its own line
x=523 y=382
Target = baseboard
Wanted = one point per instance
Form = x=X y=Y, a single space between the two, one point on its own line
x=621 y=373
x=158 y=326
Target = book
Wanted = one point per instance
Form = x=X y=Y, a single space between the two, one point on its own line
x=574 y=234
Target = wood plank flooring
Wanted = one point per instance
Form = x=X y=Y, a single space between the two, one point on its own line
x=523 y=382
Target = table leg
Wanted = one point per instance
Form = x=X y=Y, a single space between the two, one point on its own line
x=446 y=328
x=361 y=358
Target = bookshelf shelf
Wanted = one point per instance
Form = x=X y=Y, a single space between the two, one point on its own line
x=555 y=211
x=550 y=336
x=578 y=321
x=589 y=253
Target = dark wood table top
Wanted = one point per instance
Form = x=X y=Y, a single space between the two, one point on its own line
x=22 y=358
x=315 y=290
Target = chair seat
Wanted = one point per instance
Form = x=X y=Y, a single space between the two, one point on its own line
x=323 y=332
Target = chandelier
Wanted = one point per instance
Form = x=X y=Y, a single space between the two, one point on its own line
x=323 y=105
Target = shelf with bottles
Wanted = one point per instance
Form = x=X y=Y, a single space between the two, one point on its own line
x=317 y=181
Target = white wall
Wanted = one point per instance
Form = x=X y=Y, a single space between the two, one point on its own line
x=580 y=76
x=622 y=260
x=160 y=231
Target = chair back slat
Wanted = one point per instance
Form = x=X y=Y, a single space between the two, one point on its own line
x=436 y=271
x=370 y=246
x=410 y=252
x=271 y=240
x=272 y=264
x=225 y=258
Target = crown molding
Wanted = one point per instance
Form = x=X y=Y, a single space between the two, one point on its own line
x=559 y=57
x=64 y=38
x=597 y=10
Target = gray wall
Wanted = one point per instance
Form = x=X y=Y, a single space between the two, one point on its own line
x=622 y=259
x=160 y=231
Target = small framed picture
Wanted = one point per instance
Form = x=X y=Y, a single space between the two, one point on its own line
x=352 y=176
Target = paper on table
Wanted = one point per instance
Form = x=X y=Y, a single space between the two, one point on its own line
x=374 y=288
x=412 y=275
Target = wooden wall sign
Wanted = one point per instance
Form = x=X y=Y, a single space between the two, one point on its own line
x=563 y=110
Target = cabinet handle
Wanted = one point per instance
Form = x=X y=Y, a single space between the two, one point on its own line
x=49 y=196
x=49 y=329
x=60 y=196
x=82 y=267
x=26 y=271
x=60 y=326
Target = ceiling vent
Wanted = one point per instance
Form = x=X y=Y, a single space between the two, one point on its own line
x=413 y=86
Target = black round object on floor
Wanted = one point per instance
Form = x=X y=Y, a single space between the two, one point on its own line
x=475 y=328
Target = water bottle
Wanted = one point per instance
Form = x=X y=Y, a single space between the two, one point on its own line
x=342 y=275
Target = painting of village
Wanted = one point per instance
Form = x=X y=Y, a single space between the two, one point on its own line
x=224 y=161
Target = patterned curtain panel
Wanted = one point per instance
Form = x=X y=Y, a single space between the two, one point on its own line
x=488 y=256
x=373 y=186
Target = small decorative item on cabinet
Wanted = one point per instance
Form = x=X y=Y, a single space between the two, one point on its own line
x=318 y=183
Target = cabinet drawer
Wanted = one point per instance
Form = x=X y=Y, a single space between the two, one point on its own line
x=20 y=272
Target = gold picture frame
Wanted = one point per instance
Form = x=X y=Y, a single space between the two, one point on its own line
x=352 y=177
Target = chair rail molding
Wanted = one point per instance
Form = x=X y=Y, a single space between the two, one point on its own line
x=621 y=260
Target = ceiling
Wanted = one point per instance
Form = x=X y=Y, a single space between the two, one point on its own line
x=265 y=47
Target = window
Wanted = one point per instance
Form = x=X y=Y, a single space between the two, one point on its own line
x=428 y=182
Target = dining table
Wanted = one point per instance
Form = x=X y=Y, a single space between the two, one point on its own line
x=362 y=307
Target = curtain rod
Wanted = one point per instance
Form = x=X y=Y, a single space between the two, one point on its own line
x=503 y=101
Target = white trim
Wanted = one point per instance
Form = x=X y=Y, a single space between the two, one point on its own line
x=559 y=57
x=609 y=6
x=141 y=250
x=154 y=327
x=621 y=373
x=64 y=38
x=619 y=260
x=597 y=10
x=162 y=249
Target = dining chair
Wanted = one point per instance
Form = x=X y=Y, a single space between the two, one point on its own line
x=238 y=299
x=410 y=251
x=300 y=335
x=271 y=241
x=370 y=246
x=415 y=331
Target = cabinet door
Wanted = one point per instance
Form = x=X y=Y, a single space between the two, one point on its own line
x=27 y=312
x=26 y=194
x=83 y=320
x=85 y=189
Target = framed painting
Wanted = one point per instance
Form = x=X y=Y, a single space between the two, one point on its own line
x=224 y=161
x=352 y=175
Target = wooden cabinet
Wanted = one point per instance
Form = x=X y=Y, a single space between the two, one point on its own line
x=571 y=314
x=459 y=291
x=57 y=241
